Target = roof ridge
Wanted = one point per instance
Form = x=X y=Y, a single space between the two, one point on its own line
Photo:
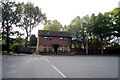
x=53 y=33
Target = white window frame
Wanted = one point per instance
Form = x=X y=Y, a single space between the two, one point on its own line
x=61 y=38
x=45 y=38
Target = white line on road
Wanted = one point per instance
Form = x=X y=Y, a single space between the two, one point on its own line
x=46 y=59
x=58 y=71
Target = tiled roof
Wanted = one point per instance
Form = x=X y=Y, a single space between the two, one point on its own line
x=54 y=33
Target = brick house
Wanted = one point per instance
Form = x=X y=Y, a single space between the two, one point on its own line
x=53 y=41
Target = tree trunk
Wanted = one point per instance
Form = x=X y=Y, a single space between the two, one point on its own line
x=26 y=41
x=8 y=40
x=101 y=45
x=87 y=47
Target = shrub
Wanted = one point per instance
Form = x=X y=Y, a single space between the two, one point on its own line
x=4 y=52
x=11 y=53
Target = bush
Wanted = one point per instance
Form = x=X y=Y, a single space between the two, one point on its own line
x=4 y=52
x=11 y=53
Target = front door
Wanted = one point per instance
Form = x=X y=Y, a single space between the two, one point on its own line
x=55 y=46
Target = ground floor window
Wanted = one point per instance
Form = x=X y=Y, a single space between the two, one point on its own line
x=61 y=48
x=65 y=49
x=50 y=48
x=45 y=49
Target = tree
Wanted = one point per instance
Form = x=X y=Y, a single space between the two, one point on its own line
x=86 y=24
x=33 y=40
x=18 y=41
x=11 y=15
x=53 y=25
x=31 y=17
x=75 y=29
x=101 y=27
x=65 y=28
x=79 y=29
x=115 y=17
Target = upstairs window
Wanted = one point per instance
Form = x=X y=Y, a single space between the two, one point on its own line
x=61 y=38
x=45 y=38
x=65 y=39
x=50 y=38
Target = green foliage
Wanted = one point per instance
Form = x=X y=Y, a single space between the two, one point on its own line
x=11 y=53
x=94 y=43
x=53 y=25
x=101 y=28
x=31 y=17
x=79 y=29
x=115 y=17
x=66 y=28
x=4 y=52
x=11 y=15
x=16 y=42
x=33 y=40
x=98 y=29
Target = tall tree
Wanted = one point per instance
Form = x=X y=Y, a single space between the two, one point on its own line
x=32 y=16
x=101 y=27
x=79 y=30
x=87 y=30
x=33 y=40
x=53 y=25
x=75 y=29
x=11 y=15
x=115 y=17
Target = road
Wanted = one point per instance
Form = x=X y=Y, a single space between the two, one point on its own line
x=60 y=66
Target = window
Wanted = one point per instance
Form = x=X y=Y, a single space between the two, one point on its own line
x=50 y=48
x=50 y=38
x=65 y=39
x=45 y=38
x=61 y=39
x=45 y=49
x=65 y=49
x=60 y=48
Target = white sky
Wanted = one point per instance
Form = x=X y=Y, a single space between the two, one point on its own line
x=66 y=10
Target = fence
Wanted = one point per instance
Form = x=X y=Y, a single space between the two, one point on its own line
x=21 y=49
x=95 y=51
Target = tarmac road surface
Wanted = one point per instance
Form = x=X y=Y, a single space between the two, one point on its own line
x=59 y=66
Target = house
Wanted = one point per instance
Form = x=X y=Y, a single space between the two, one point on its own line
x=53 y=41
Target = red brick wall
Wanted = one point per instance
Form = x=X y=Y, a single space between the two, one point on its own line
x=56 y=40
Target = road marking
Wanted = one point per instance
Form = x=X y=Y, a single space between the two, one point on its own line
x=55 y=68
x=58 y=71
x=46 y=59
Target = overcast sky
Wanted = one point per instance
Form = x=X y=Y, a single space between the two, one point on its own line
x=66 y=10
